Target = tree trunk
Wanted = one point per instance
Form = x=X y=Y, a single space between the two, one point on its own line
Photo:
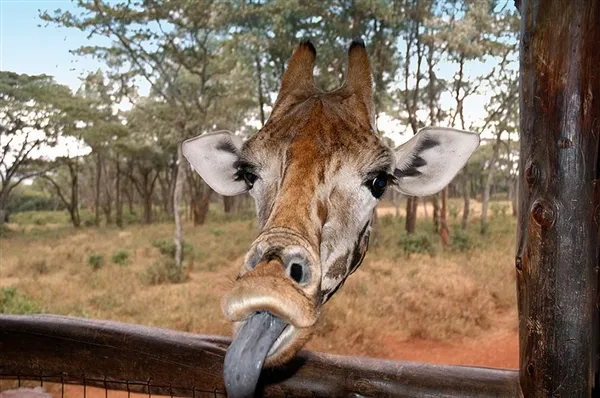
x=200 y=207
x=515 y=196
x=129 y=194
x=444 y=232
x=435 y=201
x=558 y=237
x=466 y=198
x=178 y=238
x=228 y=203
x=425 y=208
x=118 y=199
x=97 y=191
x=261 y=98
x=488 y=184
x=411 y=214
x=74 y=208
x=147 y=199
x=3 y=205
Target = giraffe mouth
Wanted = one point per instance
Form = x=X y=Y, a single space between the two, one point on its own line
x=259 y=336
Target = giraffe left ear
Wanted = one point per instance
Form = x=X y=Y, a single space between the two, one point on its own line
x=432 y=158
x=215 y=156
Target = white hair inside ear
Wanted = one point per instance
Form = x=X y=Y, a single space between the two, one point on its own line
x=215 y=156
x=432 y=158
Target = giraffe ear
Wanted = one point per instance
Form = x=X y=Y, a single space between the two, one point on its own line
x=432 y=158
x=215 y=156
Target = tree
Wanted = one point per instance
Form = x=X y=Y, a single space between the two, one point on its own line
x=32 y=112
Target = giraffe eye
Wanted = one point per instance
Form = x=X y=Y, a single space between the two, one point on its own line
x=246 y=175
x=378 y=185
x=249 y=177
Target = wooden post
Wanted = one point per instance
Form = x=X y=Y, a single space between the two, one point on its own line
x=558 y=241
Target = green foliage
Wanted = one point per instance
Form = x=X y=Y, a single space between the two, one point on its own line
x=164 y=271
x=421 y=242
x=13 y=302
x=96 y=261
x=216 y=231
x=453 y=211
x=460 y=240
x=167 y=248
x=27 y=199
x=120 y=257
x=40 y=217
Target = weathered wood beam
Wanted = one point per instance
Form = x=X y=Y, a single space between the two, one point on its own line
x=558 y=242
x=183 y=364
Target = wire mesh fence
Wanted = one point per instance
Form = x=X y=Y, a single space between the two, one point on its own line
x=69 y=386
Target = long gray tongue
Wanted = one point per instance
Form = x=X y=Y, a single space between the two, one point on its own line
x=246 y=354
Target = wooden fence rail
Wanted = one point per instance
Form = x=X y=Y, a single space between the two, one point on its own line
x=157 y=361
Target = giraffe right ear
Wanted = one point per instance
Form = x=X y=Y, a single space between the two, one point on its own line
x=215 y=157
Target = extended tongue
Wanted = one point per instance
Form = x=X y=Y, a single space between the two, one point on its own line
x=246 y=354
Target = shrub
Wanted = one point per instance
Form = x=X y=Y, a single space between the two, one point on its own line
x=453 y=211
x=416 y=243
x=13 y=302
x=167 y=248
x=216 y=231
x=96 y=261
x=120 y=257
x=460 y=240
x=164 y=271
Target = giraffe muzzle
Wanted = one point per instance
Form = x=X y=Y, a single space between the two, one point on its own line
x=273 y=306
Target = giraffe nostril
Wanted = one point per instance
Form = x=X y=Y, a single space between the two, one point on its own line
x=296 y=272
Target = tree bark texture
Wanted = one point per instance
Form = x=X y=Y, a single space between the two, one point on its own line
x=97 y=190
x=559 y=198
x=228 y=204
x=466 y=191
x=118 y=196
x=179 y=177
x=444 y=231
x=488 y=183
x=411 y=214
x=435 y=201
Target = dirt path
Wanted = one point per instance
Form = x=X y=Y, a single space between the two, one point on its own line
x=498 y=348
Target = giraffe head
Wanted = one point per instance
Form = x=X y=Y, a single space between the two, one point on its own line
x=316 y=171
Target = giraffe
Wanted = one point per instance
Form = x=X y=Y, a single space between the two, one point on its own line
x=316 y=171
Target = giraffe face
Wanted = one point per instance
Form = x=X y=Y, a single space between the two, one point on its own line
x=316 y=171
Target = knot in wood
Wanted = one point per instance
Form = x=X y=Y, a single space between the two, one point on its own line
x=519 y=264
x=564 y=143
x=532 y=174
x=530 y=369
x=543 y=213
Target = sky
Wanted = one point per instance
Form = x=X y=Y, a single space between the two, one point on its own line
x=27 y=45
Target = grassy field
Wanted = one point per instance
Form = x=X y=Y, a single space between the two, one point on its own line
x=407 y=288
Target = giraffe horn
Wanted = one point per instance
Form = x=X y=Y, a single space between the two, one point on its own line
x=298 y=77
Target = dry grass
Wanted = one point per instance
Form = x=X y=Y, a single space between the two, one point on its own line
x=390 y=298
